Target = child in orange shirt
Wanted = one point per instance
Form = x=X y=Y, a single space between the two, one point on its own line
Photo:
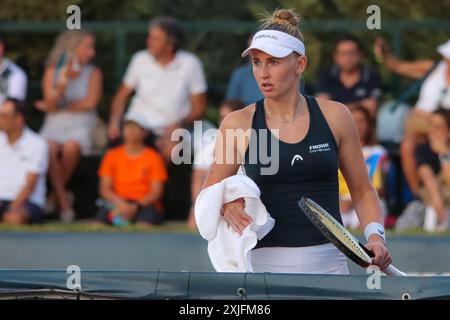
x=132 y=178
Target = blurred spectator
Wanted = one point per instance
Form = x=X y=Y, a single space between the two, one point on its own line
x=242 y=84
x=23 y=167
x=204 y=153
x=433 y=164
x=72 y=88
x=435 y=89
x=13 y=80
x=132 y=178
x=376 y=161
x=434 y=92
x=348 y=80
x=169 y=85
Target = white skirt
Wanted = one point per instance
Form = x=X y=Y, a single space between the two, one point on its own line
x=64 y=126
x=320 y=259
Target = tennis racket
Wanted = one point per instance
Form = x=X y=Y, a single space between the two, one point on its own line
x=341 y=237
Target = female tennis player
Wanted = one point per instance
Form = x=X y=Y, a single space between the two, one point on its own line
x=314 y=138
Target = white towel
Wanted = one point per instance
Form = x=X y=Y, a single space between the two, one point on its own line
x=228 y=251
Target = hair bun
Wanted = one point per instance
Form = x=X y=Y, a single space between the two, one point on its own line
x=284 y=16
x=283 y=20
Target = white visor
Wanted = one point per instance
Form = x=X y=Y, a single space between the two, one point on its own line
x=276 y=43
x=444 y=49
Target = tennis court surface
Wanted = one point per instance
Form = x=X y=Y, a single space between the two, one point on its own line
x=166 y=265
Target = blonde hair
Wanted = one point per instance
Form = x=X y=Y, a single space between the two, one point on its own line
x=66 y=43
x=284 y=20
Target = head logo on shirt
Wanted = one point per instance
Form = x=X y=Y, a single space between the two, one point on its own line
x=296 y=157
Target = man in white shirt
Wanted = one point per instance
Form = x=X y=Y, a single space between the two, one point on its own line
x=13 y=80
x=23 y=167
x=169 y=85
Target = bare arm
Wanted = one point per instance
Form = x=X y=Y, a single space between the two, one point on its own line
x=51 y=94
x=198 y=102
x=26 y=191
x=94 y=95
x=107 y=193
x=439 y=145
x=364 y=196
x=352 y=165
x=431 y=184
x=446 y=172
x=117 y=109
x=410 y=69
x=228 y=155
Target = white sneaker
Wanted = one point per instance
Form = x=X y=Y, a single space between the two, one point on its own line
x=430 y=221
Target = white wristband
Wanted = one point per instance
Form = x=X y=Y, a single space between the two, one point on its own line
x=374 y=228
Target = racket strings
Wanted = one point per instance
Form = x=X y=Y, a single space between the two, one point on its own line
x=334 y=229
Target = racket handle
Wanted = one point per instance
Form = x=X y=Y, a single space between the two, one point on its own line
x=393 y=271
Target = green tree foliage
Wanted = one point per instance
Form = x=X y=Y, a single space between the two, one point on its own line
x=218 y=49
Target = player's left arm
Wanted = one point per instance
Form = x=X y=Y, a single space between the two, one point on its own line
x=364 y=196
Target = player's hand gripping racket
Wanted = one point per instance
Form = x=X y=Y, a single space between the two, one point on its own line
x=340 y=236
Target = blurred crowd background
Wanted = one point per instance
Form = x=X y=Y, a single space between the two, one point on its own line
x=98 y=154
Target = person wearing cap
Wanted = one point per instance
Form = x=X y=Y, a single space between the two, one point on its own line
x=305 y=140
x=132 y=178
x=434 y=93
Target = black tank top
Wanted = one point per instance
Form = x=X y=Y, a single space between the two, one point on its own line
x=307 y=168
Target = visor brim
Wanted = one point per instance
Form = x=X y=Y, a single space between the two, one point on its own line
x=273 y=50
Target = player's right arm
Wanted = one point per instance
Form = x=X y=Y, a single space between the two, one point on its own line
x=228 y=155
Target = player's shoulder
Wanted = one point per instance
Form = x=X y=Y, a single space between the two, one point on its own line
x=334 y=111
x=239 y=119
